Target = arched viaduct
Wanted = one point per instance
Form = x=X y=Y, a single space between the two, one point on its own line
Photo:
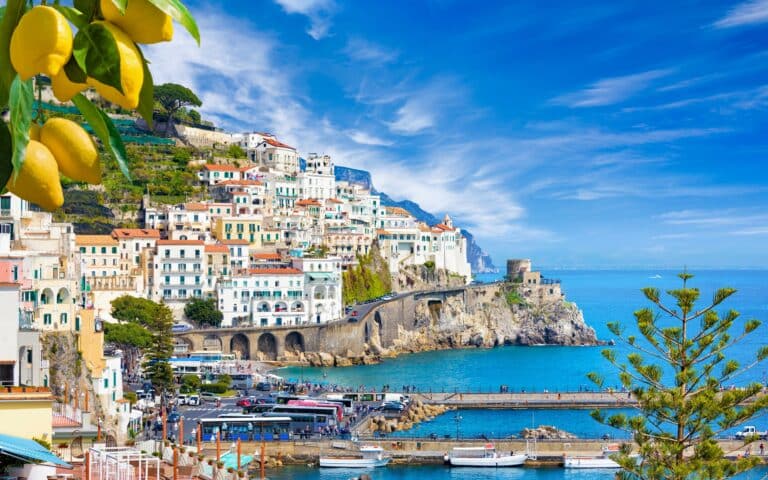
x=381 y=326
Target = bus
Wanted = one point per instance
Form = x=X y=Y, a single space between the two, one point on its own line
x=242 y=381
x=258 y=408
x=330 y=412
x=314 y=403
x=303 y=423
x=339 y=398
x=373 y=397
x=246 y=428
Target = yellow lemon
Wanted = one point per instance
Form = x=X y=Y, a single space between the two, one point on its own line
x=143 y=22
x=41 y=43
x=38 y=181
x=34 y=131
x=131 y=71
x=73 y=149
x=64 y=89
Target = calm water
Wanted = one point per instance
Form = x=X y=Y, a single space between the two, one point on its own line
x=445 y=473
x=603 y=296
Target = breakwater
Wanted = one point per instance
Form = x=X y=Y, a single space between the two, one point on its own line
x=524 y=401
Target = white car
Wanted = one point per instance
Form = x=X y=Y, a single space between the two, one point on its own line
x=193 y=400
x=181 y=400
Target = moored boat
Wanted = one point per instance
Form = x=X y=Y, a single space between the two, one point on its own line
x=593 y=461
x=485 y=456
x=370 y=456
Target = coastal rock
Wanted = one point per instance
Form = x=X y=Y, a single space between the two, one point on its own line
x=546 y=432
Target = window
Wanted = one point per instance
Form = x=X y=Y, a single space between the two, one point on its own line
x=106 y=383
x=63 y=319
x=103 y=250
x=82 y=249
x=114 y=249
x=47 y=319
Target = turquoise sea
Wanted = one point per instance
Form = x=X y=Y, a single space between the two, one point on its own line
x=604 y=296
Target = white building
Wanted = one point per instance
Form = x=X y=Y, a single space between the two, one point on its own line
x=322 y=287
x=318 y=180
x=263 y=297
x=266 y=150
x=108 y=385
x=179 y=268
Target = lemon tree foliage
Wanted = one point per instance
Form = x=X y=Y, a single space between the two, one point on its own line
x=677 y=372
x=103 y=52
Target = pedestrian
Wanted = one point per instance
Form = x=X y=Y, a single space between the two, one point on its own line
x=762 y=449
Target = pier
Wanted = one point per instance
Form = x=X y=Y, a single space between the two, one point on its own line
x=522 y=401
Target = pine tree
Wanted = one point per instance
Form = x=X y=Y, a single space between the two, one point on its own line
x=676 y=373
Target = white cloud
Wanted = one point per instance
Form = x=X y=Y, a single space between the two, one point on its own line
x=365 y=138
x=609 y=91
x=413 y=117
x=362 y=50
x=317 y=11
x=747 y=13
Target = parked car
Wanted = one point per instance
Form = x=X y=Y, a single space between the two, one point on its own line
x=193 y=400
x=181 y=399
x=209 y=397
x=392 y=407
x=353 y=313
x=244 y=402
x=180 y=327
x=264 y=387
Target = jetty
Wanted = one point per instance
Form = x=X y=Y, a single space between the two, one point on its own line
x=522 y=401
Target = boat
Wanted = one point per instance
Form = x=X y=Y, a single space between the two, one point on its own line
x=593 y=461
x=485 y=456
x=370 y=456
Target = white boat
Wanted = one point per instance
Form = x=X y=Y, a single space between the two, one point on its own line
x=370 y=456
x=485 y=456
x=593 y=461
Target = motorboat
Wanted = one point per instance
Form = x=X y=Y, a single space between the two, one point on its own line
x=593 y=461
x=485 y=456
x=370 y=456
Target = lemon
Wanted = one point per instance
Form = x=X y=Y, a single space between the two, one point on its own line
x=41 y=43
x=143 y=22
x=73 y=149
x=34 y=131
x=131 y=71
x=38 y=180
x=64 y=89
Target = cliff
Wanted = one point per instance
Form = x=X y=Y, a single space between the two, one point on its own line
x=540 y=320
x=478 y=259
x=455 y=317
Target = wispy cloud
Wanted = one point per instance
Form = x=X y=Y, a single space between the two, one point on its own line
x=734 y=100
x=746 y=13
x=751 y=221
x=317 y=11
x=365 y=138
x=424 y=105
x=363 y=50
x=610 y=91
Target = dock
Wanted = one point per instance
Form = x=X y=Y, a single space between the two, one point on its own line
x=522 y=401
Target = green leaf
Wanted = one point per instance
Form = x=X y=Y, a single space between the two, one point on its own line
x=74 y=72
x=104 y=129
x=87 y=7
x=179 y=12
x=20 y=104
x=147 y=96
x=6 y=153
x=75 y=16
x=121 y=5
x=96 y=53
x=13 y=12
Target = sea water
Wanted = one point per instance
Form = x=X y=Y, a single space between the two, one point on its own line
x=435 y=472
x=604 y=296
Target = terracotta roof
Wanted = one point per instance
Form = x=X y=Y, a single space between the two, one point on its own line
x=276 y=143
x=196 y=207
x=180 y=242
x=308 y=202
x=235 y=241
x=239 y=192
x=135 y=233
x=9 y=284
x=95 y=240
x=274 y=271
x=241 y=183
x=334 y=200
x=381 y=231
x=266 y=256
x=220 y=168
x=398 y=211
x=443 y=227
x=424 y=227
x=216 y=248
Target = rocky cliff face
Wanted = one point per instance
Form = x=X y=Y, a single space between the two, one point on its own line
x=540 y=321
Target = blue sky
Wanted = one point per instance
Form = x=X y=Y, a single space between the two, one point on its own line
x=584 y=133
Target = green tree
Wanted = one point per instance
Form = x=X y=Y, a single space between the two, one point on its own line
x=203 y=312
x=235 y=151
x=194 y=116
x=158 y=320
x=130 y=337
x=172 y=97
x=676 y=371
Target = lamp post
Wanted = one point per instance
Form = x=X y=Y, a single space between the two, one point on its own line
x=457 y=418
